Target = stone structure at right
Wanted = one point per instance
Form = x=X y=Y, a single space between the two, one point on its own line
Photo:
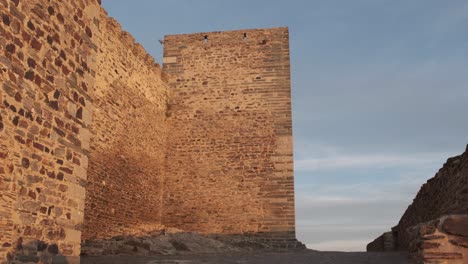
x=434 y=228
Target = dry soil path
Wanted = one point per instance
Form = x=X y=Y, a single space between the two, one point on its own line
x=303 y=257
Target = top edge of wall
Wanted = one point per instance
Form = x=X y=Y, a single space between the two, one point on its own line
x=127 y=38
x=285 y=28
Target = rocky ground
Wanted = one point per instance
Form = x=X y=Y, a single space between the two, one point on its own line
x=177 y=243
x=299 y=257
x=187 y=248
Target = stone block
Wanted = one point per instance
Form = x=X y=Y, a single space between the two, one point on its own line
x=456 y=225
x=168 y=60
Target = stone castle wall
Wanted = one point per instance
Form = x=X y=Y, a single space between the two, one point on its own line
x=444 y=240
x=444 y=194
x=46 y=83
x=230 y=156
x=126 y=160
x=83 y=113
x=96 y=141
x=385 y=242
x=442 y=197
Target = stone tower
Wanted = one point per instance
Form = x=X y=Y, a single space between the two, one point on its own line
x=230 y=152
x=98 y=141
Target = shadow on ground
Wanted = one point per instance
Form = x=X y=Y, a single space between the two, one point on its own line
x=299 y=257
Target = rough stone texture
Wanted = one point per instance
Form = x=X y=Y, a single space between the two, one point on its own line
x=384 y=242
x=156 y=243
x=444 y=194
x=456 y=225
x=126 y=160
x=170 y=242
x=61 y=63
x=431 y=243
x=43 y=136
x=229 y=157
x=82 y=106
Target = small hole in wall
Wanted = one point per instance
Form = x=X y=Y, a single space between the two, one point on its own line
x=205 y=39
x=245 y=36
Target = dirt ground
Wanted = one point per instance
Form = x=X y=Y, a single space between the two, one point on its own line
x=300 y=257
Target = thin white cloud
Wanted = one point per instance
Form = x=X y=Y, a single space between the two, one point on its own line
x=342 y=245
x=346 y=227
x=347 y=216
x=336 y=200
x=312 y=226
x=366 y=161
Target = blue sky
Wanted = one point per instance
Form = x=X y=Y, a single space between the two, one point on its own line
x=380 y=97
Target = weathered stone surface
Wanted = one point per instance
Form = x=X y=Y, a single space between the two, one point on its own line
x=85 y=111
x=230 y=133
x=34 y=123
x=442 y=256
x=460 y=241
x=127 y=138
x=438 y=246
x=456 y=225
x=170 y=243
x=444 y=194
x=385 y=242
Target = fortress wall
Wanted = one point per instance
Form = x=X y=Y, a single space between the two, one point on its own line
x=443 y=240
x=385 y=242
x=127 y=153
x=230 y=156
x=45 y=114
x=444 y=194
x=92 y=148
x=82 y=106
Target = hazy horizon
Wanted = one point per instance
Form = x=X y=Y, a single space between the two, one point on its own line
x=379 y=89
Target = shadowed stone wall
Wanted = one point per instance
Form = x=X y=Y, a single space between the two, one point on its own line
x=444 y=194
x=385 y=242
x=126 y=160
x=230 y=156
